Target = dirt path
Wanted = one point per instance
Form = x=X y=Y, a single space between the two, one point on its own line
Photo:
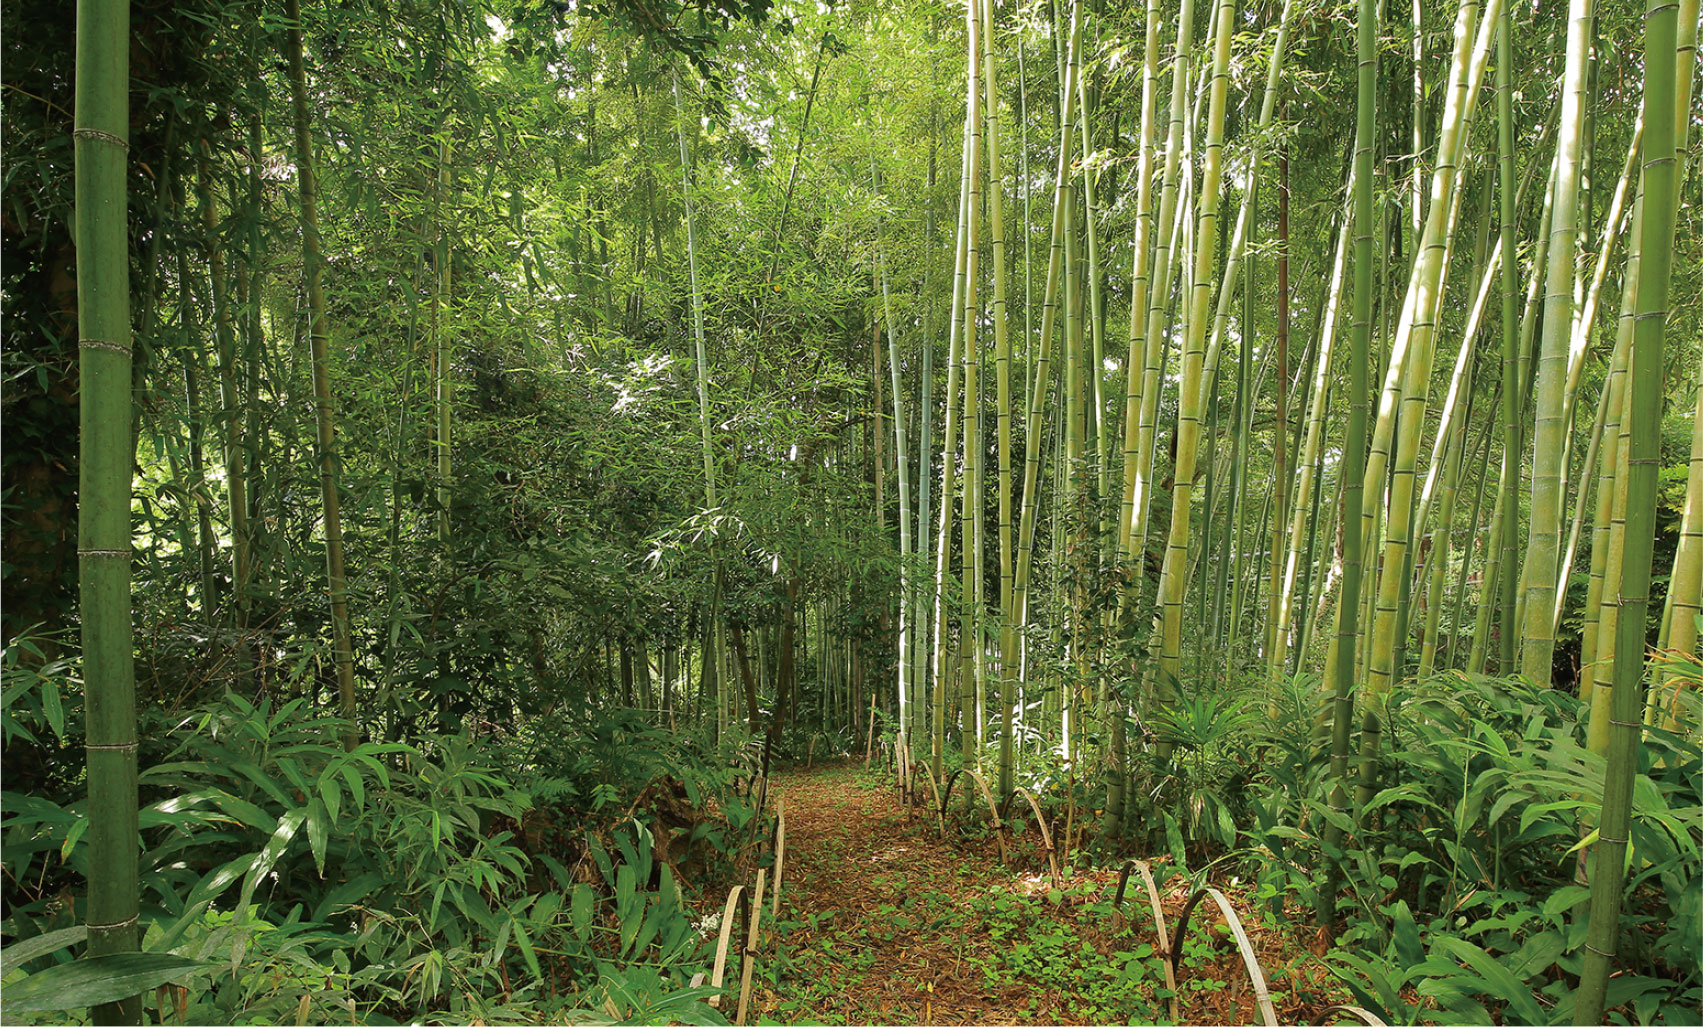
x=884 y=921
x=884 y=931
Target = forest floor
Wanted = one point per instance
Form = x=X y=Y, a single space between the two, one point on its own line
x=884 y=920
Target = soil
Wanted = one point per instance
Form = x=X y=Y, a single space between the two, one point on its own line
x=881 y=922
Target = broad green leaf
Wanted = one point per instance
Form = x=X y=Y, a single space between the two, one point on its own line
x=1499 y=982
x=318 y=831
x=357 y=786
x=72 y=836
x=581 y=910
x=1409 y=949
x=96 y=980
x=249 y=814
x=52 y=706
x=331 y=793
x=19 y=953
x=262 y=780
x=1565 y=899
x=1536 y=955
x=267 y=858
x=360 y=889
x=524 y=943
x=214 y=884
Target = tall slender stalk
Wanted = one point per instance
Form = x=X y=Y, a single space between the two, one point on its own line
x=1473 y=534
x=703 y=368
x=970 y=508
x=1138 y=488
x=205 y=538
x=1307 y=482
x=1406 y=372
x=1437 y=561
x=907 y=586
x=1072 y=499
x=1507 y=537
x=1002 y=375
x=714 y=649
x=1411 y=360
x=1612 y=404
x=1140 y=275
x=443 y=394
x=1174 y=568
x=319 y=341
x=1549 y=427
x=925 y=415
x=100 y=145
x=1679 y=630
x=1017 y=616
x=1280 y=441
x=949 y=461
x=1135 y=378
x=230 y=407
x=1353 y=449
x=1609 y=855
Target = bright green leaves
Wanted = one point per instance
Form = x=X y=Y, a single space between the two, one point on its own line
x=96 y=980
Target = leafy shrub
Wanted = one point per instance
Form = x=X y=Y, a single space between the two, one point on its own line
x=384 y=882
x=1459 y=888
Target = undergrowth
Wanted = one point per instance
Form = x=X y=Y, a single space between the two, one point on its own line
x=542 y=876
x=1458 y=901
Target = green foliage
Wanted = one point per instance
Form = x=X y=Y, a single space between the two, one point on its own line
x=1105 y=977
x=33 y=702
x=386 y=881
x=1461 y=896
x=95 y=980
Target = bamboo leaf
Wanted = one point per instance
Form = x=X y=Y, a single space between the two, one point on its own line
x=318 y=830
x=95 y=980
x=631 y=916
x=580 y=910
x=524 y=943
x=331 y=795
x=1538 y=954
x=1499 y=981
x=72 y=836
x=19 y=953
x=288 y=825
x=1409 y=949
x=214 y=884
x=52 y=707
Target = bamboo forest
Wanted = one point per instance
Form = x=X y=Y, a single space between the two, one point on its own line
x=851 y=511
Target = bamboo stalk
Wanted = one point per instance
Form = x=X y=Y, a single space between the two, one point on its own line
x=1506 y=518
x=1172 y=571
x=948 y=462
x=100 y=146
x=1017 y=616
x=1354 y=451
x=230 y=407
x=1549 y=427
x=1384 y=645
x=1645 y=396
x=325 y=417
x=1002 y=374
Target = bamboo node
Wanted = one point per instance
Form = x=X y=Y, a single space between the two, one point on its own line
x=115 y=747
x=105 y=552
x=118 y=925
x=115 y=347
x=97 y=135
